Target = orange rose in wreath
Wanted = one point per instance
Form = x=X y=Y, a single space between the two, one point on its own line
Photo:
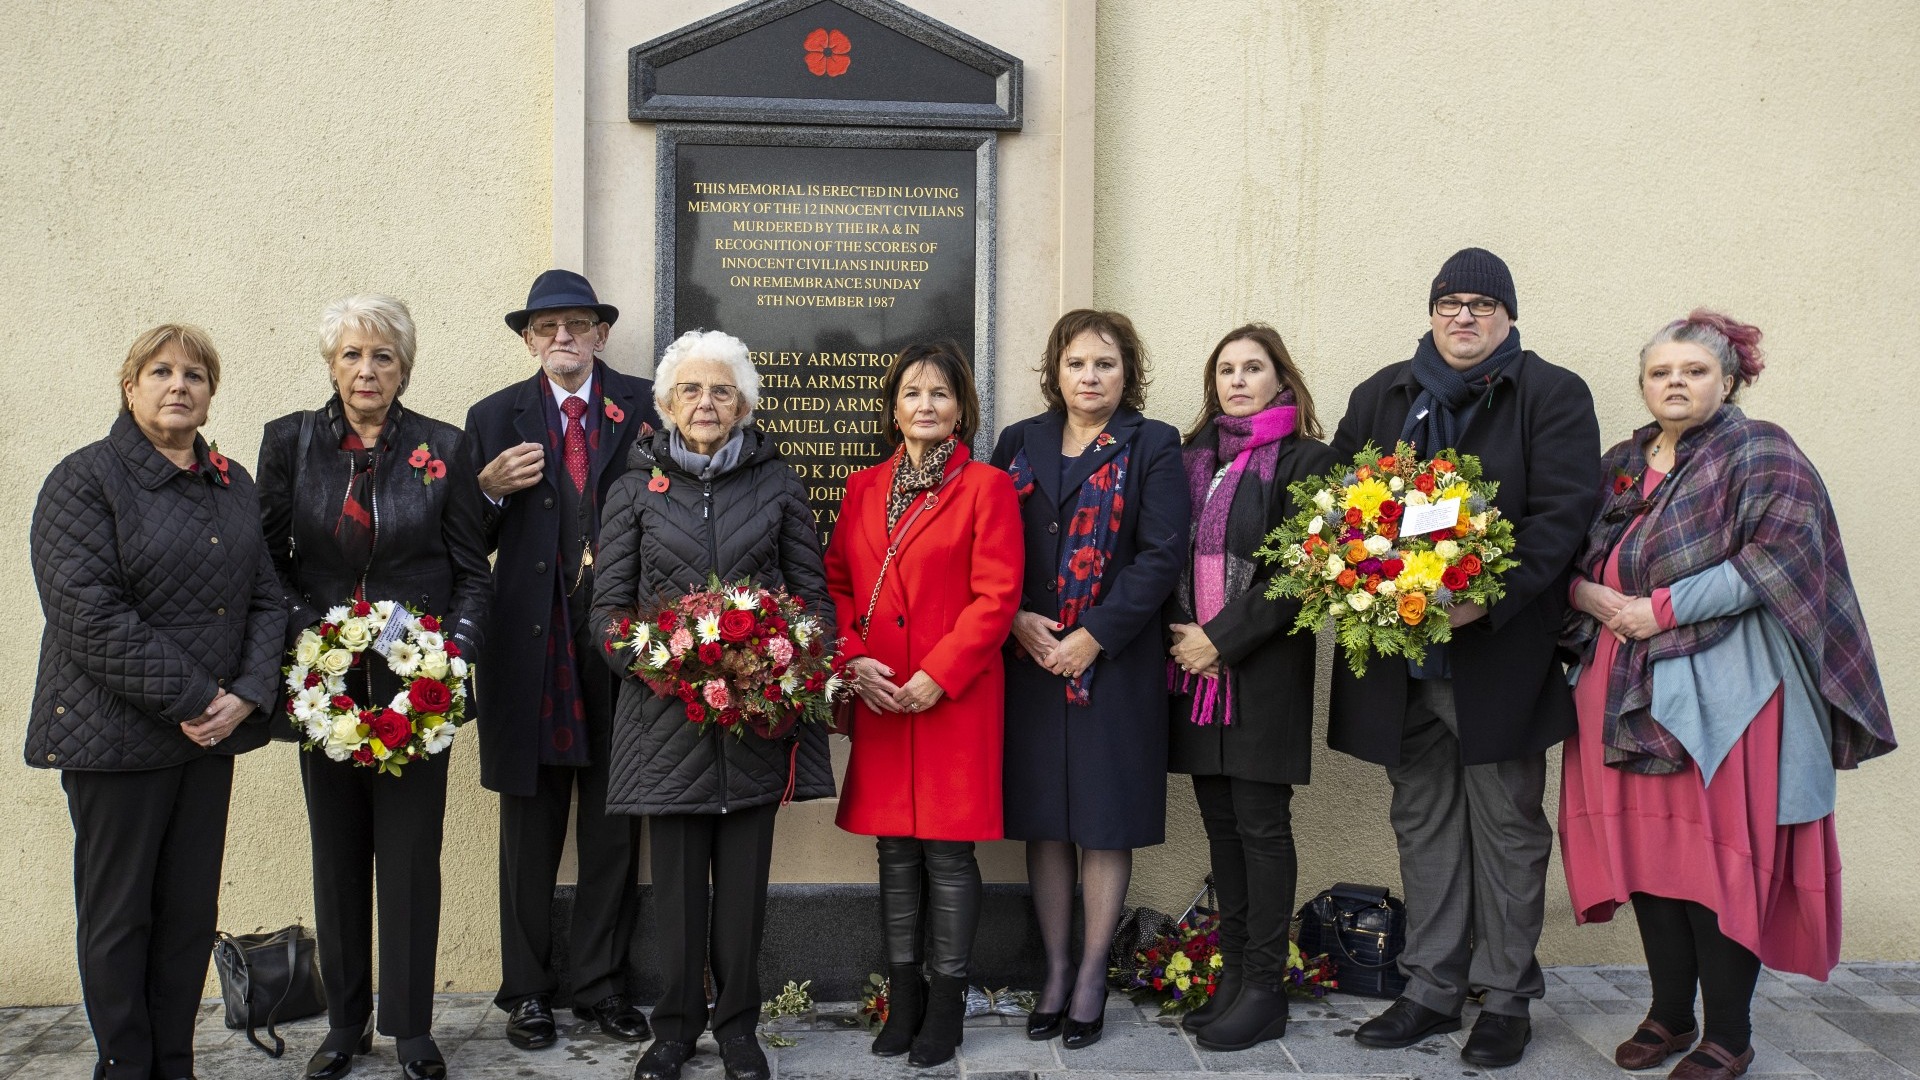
x=1413 y=608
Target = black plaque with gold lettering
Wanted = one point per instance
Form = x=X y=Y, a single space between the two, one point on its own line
x=827 y=251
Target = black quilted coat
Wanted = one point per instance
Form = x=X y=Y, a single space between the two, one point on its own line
x=157 y=591
x=428 y=547
x=751 y=522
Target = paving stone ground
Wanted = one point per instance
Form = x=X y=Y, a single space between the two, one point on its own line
x=1864 y=1024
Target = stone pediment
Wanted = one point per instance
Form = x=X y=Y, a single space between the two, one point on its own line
x=855 y=62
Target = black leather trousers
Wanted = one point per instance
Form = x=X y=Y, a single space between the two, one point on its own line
x=932 y=885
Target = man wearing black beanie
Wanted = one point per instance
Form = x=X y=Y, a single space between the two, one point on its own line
x=1464 y=735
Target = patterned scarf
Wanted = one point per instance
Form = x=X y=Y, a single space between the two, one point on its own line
x=909 y=481
x=353 y=531
x=1740 y=491
x=1226 y=529
x=1088 y=548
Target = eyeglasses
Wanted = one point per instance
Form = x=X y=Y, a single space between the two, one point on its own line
x=1481 y=308
x=690 y=393
x=579 y=326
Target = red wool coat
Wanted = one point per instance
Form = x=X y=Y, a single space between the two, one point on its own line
x=946 y=608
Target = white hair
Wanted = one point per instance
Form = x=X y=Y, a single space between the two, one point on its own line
x=373 y=313
x=707 y=345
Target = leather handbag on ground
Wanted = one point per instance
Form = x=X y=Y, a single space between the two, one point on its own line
x=1362 y=929
x=267 y=978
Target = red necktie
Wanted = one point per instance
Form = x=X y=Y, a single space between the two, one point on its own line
x=576 y=445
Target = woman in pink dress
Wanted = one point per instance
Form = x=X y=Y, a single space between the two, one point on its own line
x=1725 y=674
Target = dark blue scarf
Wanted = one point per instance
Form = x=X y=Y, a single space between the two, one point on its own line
x=1439 y=413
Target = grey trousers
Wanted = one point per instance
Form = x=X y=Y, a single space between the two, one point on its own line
x=1473 y=842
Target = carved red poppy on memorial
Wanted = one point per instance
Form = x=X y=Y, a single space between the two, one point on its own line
x=827 y=53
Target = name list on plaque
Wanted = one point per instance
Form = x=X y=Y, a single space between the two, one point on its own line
x=826 y=261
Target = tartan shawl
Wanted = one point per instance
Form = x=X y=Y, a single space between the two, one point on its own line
x=1740 y=491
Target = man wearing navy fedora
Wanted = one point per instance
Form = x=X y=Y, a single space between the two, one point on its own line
x=551 y=446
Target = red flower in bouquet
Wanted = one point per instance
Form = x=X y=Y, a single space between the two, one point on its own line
x=429 y=696
x=737 y=626
x=668 y=620
x=430 y=623
x=392 y=728
x=1471 y=564
x=1454 y=578
x=696 y=712
x=1390 y=511
x=711 y=652
x=364 y=755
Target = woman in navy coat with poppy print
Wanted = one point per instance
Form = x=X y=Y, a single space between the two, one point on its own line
x=1105 y=511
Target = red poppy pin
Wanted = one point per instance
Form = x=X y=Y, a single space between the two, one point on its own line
x=1621 y=481
x=827 y=53
x=614 y=412
x=425 y=466
x=219 y=462
x=1105 y=440
x=659 y=481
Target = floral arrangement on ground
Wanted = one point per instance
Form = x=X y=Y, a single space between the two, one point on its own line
x=421 y=719
x=738 y=656
x=1387 y=547
x=1180 y=968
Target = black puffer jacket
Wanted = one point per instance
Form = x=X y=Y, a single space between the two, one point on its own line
x=157 y=591
x=752 y=522
x=428 y=547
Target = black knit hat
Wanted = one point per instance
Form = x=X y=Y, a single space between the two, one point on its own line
x=1476 y=270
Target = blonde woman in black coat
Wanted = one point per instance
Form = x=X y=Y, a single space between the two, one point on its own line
x=163 y=636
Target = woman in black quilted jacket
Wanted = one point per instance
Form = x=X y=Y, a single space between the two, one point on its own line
x=164 y=626
x=354 y=510
x=709 y=494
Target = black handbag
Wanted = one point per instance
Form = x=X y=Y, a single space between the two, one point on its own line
x=1140 y=927
x=267 y=978
x=1362 y=929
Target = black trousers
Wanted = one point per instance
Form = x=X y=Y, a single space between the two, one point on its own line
x=533 y=834
x=735 y=852
x=147 y=847
x=1255 y=871
x=365 y=824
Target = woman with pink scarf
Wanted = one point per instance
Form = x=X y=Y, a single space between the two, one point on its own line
x=1242 y=712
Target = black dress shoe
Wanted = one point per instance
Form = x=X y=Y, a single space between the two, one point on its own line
x=420 y=1058
x=1078 y=1034
x=744 y=1059
x=1042 y=1026
x=1257 y=1015
x=617 y=1017
x=334 y=1059
x=1404 y=1023
x=530 y=1025
x=662 y=1060
x=1497 y=1040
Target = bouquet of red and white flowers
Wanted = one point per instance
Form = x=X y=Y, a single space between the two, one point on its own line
x=740 y=656
x=420 y=720
x=1386 y=546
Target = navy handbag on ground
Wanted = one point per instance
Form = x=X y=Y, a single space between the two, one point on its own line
x=1362 y=929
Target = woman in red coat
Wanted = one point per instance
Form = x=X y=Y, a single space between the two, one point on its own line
x=924 y=568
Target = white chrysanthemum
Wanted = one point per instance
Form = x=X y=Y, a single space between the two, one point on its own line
x=659 y=657
x=803 y=630
x=789 y=684
x=337 y=614
x=642 y=634
x=316 y=726
x=310 y=702
x=335 y=662
x=1378 y=545
x=434 y=664
x=457 y=667
x=438 y=738
x=707 y=629
x=832 y=687
x=356 y=634
x=1323 y=499
x=403 y=658
x=1360 y=600
x=297 y=676
x=384 y=609
x=401 y=703
x=742 y=599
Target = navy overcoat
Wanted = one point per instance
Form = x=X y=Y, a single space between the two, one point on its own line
x=1096 y=774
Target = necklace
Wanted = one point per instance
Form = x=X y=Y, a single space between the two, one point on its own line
x=1080 y=446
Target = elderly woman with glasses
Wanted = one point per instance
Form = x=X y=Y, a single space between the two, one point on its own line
x=162 y=642
x=1725 y=674
x=708 y=495
x=353 y=511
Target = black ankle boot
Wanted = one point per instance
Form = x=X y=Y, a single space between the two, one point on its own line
x=1256 y=1015
x=941 y=1031
x=1224 y=991
x=906 y=1007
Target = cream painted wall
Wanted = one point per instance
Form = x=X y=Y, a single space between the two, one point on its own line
x=1313 y=163
x=1307 y=163
x=238 y=165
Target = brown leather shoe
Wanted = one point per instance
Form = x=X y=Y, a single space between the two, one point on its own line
x=1634 y=1054
x=1728 y=1067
